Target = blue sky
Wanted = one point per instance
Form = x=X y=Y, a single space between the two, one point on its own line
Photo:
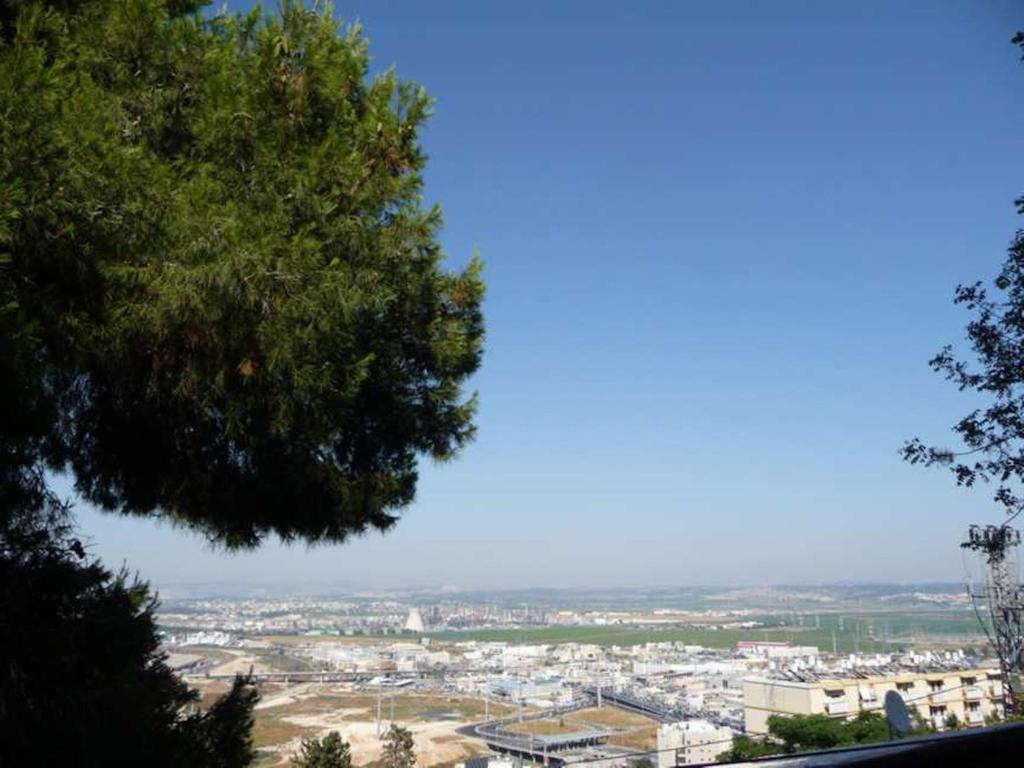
x=721 y=243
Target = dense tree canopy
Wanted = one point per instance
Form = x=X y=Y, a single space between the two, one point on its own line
x=803 y=733
x=399 y=749
x=223 y=300
x=331 y=751
x=83 y=680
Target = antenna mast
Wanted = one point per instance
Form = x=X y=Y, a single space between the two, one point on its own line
x=999 y=601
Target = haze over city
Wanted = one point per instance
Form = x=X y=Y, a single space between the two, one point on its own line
x=720 y=249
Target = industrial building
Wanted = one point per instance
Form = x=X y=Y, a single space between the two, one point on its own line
x=933 y=693
x=775 y=650
x=413 y=622
x=539 y=688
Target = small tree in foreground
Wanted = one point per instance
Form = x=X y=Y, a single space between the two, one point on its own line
x=802 y=733
x=747 y=748
x=331 y=751
x=398 y=748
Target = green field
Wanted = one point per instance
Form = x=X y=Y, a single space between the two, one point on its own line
x=619 y=635
x=866 y=633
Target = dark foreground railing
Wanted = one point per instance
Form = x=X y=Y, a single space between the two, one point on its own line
x=995 y=746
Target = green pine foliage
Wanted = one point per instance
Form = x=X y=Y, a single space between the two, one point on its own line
x=219 y=268
x=399 y=749
x=331 y=751
x=222 y=302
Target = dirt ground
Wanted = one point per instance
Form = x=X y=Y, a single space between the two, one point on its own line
x=288 y=713
x=240 y=662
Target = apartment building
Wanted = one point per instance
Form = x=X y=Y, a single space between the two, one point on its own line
x=691 y=742
x=934 y=693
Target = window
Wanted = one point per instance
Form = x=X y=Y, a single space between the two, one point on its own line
x=968 y=680
x=935 y=685
x=904 y=687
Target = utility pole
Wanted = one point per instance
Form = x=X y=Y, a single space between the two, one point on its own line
x=999 y=602
x=378 y=710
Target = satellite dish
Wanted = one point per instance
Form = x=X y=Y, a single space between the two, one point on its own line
x=896 y=713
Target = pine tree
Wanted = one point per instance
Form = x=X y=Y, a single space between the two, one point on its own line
x=83 y=680
x=223 y=303
x=223 y=300
x=398 y=748
x=329 y=752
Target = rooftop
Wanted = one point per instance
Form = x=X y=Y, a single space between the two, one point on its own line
x=872 y=672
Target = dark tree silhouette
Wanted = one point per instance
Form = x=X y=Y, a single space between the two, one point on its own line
x=221 y=303
x=83 y=681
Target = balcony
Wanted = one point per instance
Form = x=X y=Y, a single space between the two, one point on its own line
x=837 y=707
x=974 y=717
x=973 y=693
x=945 y=697
x=868 y=698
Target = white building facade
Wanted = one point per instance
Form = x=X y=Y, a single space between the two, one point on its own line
x=690 y=742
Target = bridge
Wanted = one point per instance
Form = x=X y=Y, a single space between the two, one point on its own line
x=549 y=748
x=389 y=678
x=631 y=702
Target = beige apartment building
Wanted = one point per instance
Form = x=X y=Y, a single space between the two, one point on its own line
x=970 y=694
x=691 y=742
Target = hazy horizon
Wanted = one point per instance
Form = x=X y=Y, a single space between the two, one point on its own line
x=721 y=247
x=657 y=595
